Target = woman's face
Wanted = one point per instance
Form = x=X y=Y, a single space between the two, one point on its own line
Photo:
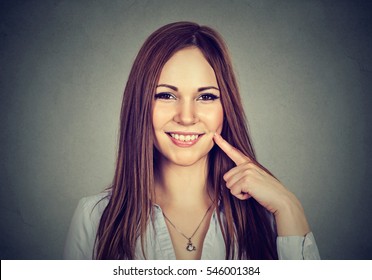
x=187 y=109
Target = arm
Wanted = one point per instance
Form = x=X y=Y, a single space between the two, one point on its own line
x=78 y=238
x=83 y=228
x=249 y=180
x=297 y=247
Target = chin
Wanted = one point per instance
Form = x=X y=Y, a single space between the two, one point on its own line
x=185 y=159
x=185 y=163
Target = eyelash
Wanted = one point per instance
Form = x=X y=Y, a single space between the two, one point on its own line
x=203 y=97
x=164 y=95
x=208 y=97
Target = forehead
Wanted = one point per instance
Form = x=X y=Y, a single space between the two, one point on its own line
x=188 y=67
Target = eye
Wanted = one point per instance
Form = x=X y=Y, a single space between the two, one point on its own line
x=164 y=96
x=208 y=97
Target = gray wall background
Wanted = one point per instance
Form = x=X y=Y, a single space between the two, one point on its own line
x=305 y=74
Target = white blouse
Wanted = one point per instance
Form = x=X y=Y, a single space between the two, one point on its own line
x=85 y=221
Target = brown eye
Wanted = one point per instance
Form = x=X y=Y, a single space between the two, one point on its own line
x=208 y=97
x=164 y=96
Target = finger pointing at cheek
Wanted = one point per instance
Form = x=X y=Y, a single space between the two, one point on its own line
x=247 y=179
x=234 y=154
x=234 y=176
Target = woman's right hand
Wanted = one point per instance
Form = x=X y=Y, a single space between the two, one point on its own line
x=249 y=180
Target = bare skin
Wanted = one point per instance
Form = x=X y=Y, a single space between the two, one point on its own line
x=184 y=199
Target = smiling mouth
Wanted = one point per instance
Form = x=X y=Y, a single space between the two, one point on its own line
x=184 y=139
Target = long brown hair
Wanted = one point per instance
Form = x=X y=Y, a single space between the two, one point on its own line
x=245 y=225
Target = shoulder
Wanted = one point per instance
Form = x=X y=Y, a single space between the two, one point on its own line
x=90 y=208
x=84 y=224
x=94 y=204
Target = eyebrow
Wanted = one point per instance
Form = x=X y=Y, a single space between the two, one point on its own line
x=176 y=88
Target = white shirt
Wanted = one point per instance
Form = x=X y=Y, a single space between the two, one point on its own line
x=85 y=222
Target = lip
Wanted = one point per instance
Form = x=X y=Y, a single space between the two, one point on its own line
x=184 y=144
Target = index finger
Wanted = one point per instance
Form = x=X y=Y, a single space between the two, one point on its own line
x=236 y=156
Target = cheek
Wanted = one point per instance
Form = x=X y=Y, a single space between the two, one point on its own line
x=213 y=118
x=219 y=121
x=160 y=116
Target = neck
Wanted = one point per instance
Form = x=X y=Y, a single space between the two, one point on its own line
x=182 y=186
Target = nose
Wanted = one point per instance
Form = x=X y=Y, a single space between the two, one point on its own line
x=186 y=113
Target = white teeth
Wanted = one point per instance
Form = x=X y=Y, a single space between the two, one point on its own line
x=185 y=138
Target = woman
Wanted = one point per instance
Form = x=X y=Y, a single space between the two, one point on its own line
x=187 y=183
